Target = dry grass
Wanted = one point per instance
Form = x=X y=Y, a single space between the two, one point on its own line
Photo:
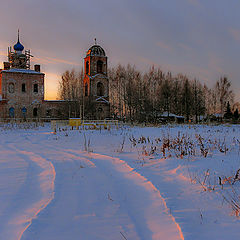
x=191 y=147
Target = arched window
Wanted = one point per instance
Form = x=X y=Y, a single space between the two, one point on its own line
x=100 y=89
x=23 y=87
x=35 y=88
x=11 y=112
x=24 y=111
x=35 y=112
x=86 y=90
x=99 y=66
x=11 y=88
x=87 y=67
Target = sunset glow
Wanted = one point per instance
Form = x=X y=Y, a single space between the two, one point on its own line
x=51 y=83
x=179 y=42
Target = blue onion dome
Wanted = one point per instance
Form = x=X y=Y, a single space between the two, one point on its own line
x=96 y=50
x=18 y=47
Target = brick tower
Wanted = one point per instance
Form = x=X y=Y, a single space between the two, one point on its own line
x=96 y=84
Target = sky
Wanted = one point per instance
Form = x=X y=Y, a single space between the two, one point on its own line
x=199 y=38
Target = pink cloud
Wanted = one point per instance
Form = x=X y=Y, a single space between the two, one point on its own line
x=190 y=70
x=164 y=46
x=185 y=47
x=235 y=33
x=52 y=60
x=215 y=63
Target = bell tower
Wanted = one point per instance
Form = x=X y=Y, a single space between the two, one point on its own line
x=96 y=83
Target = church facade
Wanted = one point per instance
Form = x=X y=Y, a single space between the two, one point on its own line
x=22 y=88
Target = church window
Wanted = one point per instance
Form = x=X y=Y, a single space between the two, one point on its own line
x=11 y=112
x=99 y=66
x=11 y=88
x=24 y=111
x=35 y=112
x=87 y=67
x=86 y=90
x=100 y=89
x=35 y=88
x=23 y=87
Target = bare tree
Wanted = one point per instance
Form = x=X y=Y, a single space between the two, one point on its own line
x=138 y=96
x=224 y=93
x=71 y=90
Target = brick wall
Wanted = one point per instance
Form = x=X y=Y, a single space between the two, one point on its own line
x=17 y=98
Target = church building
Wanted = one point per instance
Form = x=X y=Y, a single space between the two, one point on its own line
x=22 y=88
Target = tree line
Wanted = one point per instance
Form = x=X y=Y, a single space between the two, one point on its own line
x=144 y=96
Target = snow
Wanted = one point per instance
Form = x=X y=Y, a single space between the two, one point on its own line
x=119 y=184
x=18 y=70
x=101 y=99
x=166 y=114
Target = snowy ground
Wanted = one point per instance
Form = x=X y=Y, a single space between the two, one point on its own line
x=172 y=182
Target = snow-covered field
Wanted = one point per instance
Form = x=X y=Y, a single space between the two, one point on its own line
x=171 y=182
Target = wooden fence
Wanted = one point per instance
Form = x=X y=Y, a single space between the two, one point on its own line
x=76 y=123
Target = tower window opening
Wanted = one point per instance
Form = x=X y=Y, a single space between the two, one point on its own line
x=100 y=89
x=86 y=90
x=23 y=87
x=99 y=66
x=87 y=67
x=35 y=112
x=35 y=88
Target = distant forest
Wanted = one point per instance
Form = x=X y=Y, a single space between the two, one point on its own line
x=144 y=96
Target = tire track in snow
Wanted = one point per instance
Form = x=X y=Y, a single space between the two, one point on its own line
x=46 y=180
x=156 y=214
x=155 y=222
x=88 y=206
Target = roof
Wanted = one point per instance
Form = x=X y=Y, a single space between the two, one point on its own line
x=97 y=75
x=165 y=114
x=18 y=70
x=102 y=100
x=96 y=50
